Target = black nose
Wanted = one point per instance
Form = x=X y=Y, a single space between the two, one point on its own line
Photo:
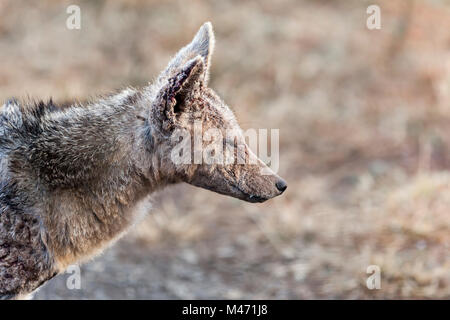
x=281 y=185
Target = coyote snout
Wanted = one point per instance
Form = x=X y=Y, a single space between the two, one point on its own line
x=245 y=183
x=268 y=188
x=250 y=182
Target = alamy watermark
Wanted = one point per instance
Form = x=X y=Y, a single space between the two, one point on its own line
x=226 y=147
x=73 y=282
x=374 y=280
x=374 y=20
x=73 y=21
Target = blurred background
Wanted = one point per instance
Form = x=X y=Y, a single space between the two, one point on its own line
x=364 y=119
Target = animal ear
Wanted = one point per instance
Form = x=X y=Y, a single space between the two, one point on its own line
x=202 y=45
x=170 y=100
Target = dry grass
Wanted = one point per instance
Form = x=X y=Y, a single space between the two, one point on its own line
x=364 y=118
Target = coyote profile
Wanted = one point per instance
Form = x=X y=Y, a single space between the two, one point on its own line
x=73 y=180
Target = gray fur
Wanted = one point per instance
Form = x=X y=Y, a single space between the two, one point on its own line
x=74 y=180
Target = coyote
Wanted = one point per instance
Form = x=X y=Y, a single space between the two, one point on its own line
x=74 y=179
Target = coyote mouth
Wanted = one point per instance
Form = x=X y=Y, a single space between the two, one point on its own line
x=249 y=197
x=253 y=198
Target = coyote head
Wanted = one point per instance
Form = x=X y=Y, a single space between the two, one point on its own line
x=184 y=109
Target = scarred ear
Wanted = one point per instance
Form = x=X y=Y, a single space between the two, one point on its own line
x=170 y=99
x=202 y=45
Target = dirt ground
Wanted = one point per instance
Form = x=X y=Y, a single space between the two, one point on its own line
x=364 y=119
